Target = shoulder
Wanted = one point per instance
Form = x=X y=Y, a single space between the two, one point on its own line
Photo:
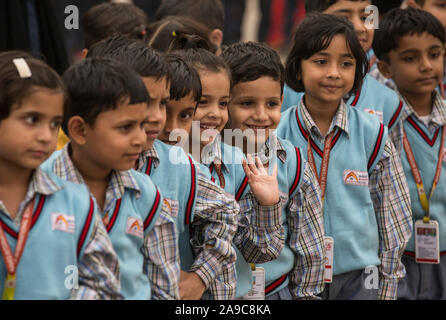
x=374 y=87
x=49 y=163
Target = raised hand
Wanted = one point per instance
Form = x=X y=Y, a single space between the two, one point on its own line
x=263 y=186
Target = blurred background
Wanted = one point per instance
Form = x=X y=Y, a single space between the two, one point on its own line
x=38 y=26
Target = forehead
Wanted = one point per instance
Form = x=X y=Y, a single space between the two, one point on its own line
x=262 y=87
x=418 y=42
x=338 y=47
x=125 y=111
x=348 y=6
x=186 y=102
x=217 y=82
x=156 y=87
x=41 y=100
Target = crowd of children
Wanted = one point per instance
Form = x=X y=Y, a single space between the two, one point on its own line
x=186 y=169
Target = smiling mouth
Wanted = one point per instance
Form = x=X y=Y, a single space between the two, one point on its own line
x=207 y=126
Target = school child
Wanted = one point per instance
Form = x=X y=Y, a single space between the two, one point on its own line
x=410 y=47
x=373 y=97
x=206 y=217
x=106 y=124
x=211 y=13
x=257 y=86
x=105 y=20
x=47 y=225
x=367 y=214
x=438 y=9
x=161 y=33
x=260 y=234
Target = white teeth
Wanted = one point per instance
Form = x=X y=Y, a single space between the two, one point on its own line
x=255 y=127
x=208 y=127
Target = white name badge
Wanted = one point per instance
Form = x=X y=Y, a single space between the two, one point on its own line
x=258 y=285
x=427 y=242
x=329 y=250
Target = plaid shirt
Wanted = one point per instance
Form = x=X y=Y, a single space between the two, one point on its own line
x=305 y=226
x=260 y=235
x=160 y=249
x=390 y=195
x=98 y=268
x=213 y=227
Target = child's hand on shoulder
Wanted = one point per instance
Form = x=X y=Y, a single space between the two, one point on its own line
x=264 y=186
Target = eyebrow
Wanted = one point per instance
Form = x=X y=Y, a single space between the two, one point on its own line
x=414 y=50
x=325 y=54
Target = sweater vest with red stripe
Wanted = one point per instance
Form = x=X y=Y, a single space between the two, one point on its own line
x=49 y=251
x=349 y=215
x=130 y=220
x=374 y=97
x=425 y=146
x=176 y=177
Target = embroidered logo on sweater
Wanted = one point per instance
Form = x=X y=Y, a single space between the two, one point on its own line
x=375 y=112
x=134 y=227
x=356 y=178
x=62 y=222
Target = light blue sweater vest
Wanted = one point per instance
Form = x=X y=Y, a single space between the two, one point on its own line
x=135 y=285
x=176 y=176
x=349 y=215
x=41 y=271
x=425 y=147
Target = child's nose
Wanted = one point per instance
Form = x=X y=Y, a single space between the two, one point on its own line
x=426 y=64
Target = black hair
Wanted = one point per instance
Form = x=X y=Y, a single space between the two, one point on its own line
x=385 y=6
x=398 y=23
x=160 y=34
x=14 y=89
x=314 y=34
x=321 y=5
x=135 y=54
x=420 y=2
x=97 y=85
x=209 y=12
x=109 y=18
x=249 y=61
x=193 y=49
x=184 y=78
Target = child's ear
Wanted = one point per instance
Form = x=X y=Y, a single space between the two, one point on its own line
x=413 y=4
x=385 y=69
x=216 y=37
x=84 y=53
x=77 y=130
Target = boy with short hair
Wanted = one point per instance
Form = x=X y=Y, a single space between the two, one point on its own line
x=257 y=77
x=106 y=123
x=410 y=47
x=374 y=97
x=205 y=216
x=209 y=12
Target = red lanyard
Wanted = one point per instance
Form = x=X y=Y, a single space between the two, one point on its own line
x=324 y=165
x=12 y=261
x=417 y=176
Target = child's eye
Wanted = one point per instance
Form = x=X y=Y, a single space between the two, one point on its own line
x=56 y=124
x=125 y=128
x=346 y=64
x=408 y=59
x=163 y=103
x=31 y=119
x=185 y=116
x=203 y=102
x=246 y=103
x=224 y=104
x=320 y=61
x=272 y=104
x=435 y=55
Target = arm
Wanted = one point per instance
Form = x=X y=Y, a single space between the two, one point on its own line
x=306 y=229
x=98 y=268
x=161 y=257
x=213 y=227
x=260 y=235
x=390 y=194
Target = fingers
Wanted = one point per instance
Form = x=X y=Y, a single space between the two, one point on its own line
x=246 y=168
x=252 y=166
x=260 y=166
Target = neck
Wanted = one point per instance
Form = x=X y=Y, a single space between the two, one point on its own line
x=322 y=113
x=92 y=172
x=422 y=103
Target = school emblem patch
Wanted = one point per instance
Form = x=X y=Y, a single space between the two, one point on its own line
x=356 y=178
x=62 y=222
x=134 y=227
x=379 y=114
